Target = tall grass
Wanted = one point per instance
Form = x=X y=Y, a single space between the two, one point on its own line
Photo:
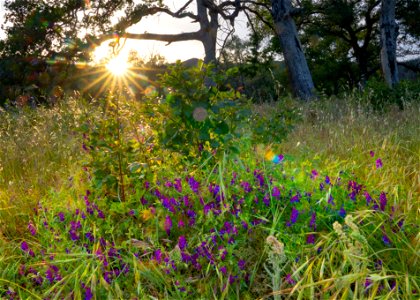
x=40 y=152
x=86 y=241
x=339 y=134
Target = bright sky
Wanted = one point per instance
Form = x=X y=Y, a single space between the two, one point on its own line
x=161 y=24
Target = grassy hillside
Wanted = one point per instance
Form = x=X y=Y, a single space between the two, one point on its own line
x=94 y=204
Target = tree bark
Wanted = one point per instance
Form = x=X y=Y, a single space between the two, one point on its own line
x=297 y=67
x=389 y=33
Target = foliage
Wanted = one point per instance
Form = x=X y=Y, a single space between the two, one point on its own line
x=380 y=96
x=197 y=114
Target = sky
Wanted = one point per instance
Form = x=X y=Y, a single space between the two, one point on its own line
x=160 y=24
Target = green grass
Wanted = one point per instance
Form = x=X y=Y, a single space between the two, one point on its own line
x=45 y=175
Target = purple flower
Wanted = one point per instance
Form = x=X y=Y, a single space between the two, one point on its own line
x=266 y=200
x=379 y=163
x=223 y=270
x=246 y=186
x=327 y=180
x=342 y=212
x=32 y=228
x=314 y=174
x=158 y=256
x=382 y=201
x=194 y=185
x=321 y=186
x=275 y=192
x=312 y=223
x=24 y=246
x=293 y=216
x=310 y=239
x=331 y=200
x=371 y=153
x=368 y=198
x=241 y=264
x=88 y=293
x=386 y=240
x=61 y=216
x=168 y=225
x=259 y=177
x=290 y=280
x=100 y=214
x=182 y=242
x=295 y=198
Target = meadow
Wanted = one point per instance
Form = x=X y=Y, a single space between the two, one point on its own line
x=200 y=194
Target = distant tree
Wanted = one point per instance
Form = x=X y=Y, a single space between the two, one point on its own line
x=389 y=33
x=297 y=67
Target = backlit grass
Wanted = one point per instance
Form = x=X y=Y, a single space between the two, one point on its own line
x=92 y=206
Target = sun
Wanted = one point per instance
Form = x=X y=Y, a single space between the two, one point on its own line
x=118 y=66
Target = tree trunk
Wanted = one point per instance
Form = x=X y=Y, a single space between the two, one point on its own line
x=389 y=33
x=294 y=57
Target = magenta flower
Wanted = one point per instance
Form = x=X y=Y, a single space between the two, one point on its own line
x=379 y=163
x=371 y=153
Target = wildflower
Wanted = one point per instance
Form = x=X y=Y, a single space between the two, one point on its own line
x=182 y=242
x=293 y=216
x=244 y=225
x=168 y=225
x=290 y=280
x=246 y=186
x=275 y=192
x=178 y=185
x=88 y=293
x=382 y=201
x=310 y=239
x=223 y=270
x=327 y=180
x=24 y=246
x=157 y=256
x=194 y=185
x=321 y=186
x=61 y=216
x=331 y=200
x=342 y=212
x=386 y=240
x=371 y=153
x=100 y=214
x=259 y=177
x=312 y=223
x=266 y=200
x=368 y=198
x=295 y=198
x=314 y=174
x=241 y=264
x=379 y=163
x=32 y=228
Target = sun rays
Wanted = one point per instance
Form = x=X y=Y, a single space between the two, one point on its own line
x=114 y=75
